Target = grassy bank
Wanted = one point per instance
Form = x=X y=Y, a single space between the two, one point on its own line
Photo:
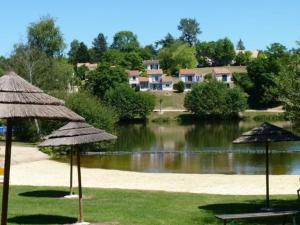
x=42 y=205
x=169 y=100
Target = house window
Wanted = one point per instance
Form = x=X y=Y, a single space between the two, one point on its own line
x=156 y=78
x=167 y=85
x=190 y=78
x=133 y=78
x=224 y=78
x=188 y=86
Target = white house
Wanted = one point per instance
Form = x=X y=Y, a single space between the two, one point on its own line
x=151 y=64
x=155 y=79
x=167 y=83
x=133 y=77
x=144 y=83
x=223 y=74
x=190 y=77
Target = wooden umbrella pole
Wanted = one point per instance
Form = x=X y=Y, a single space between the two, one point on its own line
x=79 y=188
x=71 y=172
x=5 y=192
x=267 y=176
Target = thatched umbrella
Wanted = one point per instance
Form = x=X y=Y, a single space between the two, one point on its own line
x=266 y=133
x=76 y=134
x=19 y=99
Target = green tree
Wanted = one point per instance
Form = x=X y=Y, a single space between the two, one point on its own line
x=82 y=54
x=74 y=46
x=167 y=41
x=240 y=45
x=190 y=29
x=148 y=52
x=224 y=52
x=179 y=87
x=113 y=57
x=99 y=47
x=81 y=72
x=242 y=58
x=213 y=99
x=125 y=41
x=46 y=37
x=130 y=104
x=177 y=56
x=105 y=77
x=4 y=65
x=132 y=61
x=205 y=53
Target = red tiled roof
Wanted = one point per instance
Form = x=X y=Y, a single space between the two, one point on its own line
x=221 y=70
x=187 y=72
x=144 y=79
x=154 y=72
x=132 y=73
x=167 y=79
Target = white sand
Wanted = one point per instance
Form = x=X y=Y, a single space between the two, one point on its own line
x=45 y=172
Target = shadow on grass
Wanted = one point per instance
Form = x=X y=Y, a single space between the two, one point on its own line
x=45 y=194
x=254 y=207
x=42 y=219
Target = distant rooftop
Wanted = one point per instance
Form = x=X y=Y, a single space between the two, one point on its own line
x=90 y=66
x=187 y=72
x=150 y=62
x=132 y=73
x=221 y=70
x=154 y=72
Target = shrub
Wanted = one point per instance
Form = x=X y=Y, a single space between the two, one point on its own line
x=130 y=104
x=179 y=87
x=214 y=99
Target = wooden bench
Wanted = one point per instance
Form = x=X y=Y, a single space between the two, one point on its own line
x=232 y=218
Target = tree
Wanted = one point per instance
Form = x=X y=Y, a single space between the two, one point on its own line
x=130 y=104
x=177 y=56
x=213 y=99
x=132 y=61
x=45 y=36
x=113 y=57
x=179 y=87
x=125 y=41
x=82 y=54
x=190 y=28
x=205 y=53
x=240 y=45
x=4 y=65
x=148 y=52
x=224 y=52
x=81 y=72
x=242 y=58
x=104 y=78
x=74 y=46
x=166 y=42
x=99 y=47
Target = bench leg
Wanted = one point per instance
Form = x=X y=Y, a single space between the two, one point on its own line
x=294 y=220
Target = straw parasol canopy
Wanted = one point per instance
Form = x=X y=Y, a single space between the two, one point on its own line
x=20 y=99
x=75 y=134
x=266 y=133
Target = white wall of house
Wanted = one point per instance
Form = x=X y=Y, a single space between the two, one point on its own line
x=187 y=78
x=133 y=80
x=144 y=86
x=167 y=86
x=226 y=78
x=156 y=78
x=153 y=67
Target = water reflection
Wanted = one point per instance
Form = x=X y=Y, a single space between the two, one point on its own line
x=198 y=148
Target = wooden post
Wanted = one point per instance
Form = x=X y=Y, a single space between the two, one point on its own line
x=71 y=171
x=267 y=176
x=79 y=188
x=5 y=192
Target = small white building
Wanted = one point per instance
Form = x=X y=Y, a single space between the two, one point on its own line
x=151 y=64
x=144 y=83
x=223 y=74
x=190 y=77
x=155 y=79
x=133 y=78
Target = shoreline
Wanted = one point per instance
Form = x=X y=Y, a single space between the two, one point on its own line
x=45 y=172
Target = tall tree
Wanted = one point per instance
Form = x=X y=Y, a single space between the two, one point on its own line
x=46 y=37
x=224 y=52
x=74 y=46
x=125 y=41
x=240 y=45
x=190 y=29
x=205 y=53
x=82 y=54
x=167 y=41
x=99 y=47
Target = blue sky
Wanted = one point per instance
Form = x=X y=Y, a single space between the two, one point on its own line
x=257 y=22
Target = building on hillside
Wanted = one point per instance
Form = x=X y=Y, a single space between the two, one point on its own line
x=155 y=79
x=190 y=77
x=167 y=83
x=254 y=53
x=90 y=66
x=151 y=64
x=133 y=78
x=144 y=83
x=223 y=74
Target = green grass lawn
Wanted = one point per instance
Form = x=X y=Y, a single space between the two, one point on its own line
x=170 y=100
x=41 y=205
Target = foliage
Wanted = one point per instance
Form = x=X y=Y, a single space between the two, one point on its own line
x=4 y=65
x=224 y=52
x=99 y=48
x=148 y=52
x=243 y=81
x=190 y=28
x=82 y=54
x=125 y=41
x=46 y=37
x=214 y=99
x=240 y=45
x=243 y=58
x=130 y=104
x=81 y=72
x=179 y=87
x=177 y=56
x=132 y=61
x=74 y=46
x=205 y=53
x=92 y=109
x=167 y=41
x=105 y=77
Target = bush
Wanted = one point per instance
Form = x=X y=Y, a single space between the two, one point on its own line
x=179 y=87
x=214 y=99
x=130 y=104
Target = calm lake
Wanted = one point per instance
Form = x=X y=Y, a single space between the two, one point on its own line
x=197 y=148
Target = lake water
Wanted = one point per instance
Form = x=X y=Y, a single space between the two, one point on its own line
x=197 y=148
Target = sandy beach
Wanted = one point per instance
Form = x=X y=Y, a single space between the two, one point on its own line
x=31 y=167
